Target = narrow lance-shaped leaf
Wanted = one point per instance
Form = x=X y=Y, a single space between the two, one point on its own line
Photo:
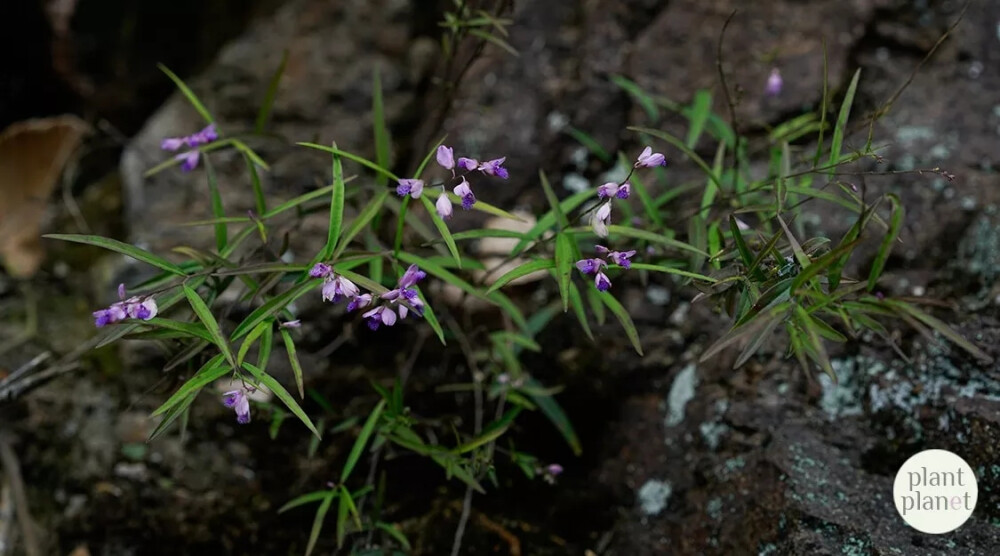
x=895 y=225
x=442 y=228
x=208 y=319
x=188 y=94
x=565 y=253
x=380 y=129
x=272 y=92
x=293 y=360
x=123 y=248
x=336 y=208
x=359 y=445
x=623 y=317
x=841 y=125
x=523 y=270
x=282 y=394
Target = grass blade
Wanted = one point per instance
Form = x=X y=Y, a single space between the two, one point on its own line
x=359 y=445
x=279 y=392
x=623 y=317
x=208 y=319
x=188 y=93
x=293 y=360
x=123 y=248
x=272 y=91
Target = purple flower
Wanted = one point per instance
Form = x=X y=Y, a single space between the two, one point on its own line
x=624 y=190
x=360 y=302
x=412 y=275
x=202 y=137
x=554 y=469
x=379 y=316
x=468 y=163
x=172 y=143
x=494 y=167
x=465 y=192
x=590 y=266
x=600 y=220
x=142 y=308
x=237 y=400
x=320 y=270
x=292 y=324
x=602 y=282
x=443 y=206
x=189 y=160
x=649 y=159
x=412 y=187
x=607 y=190
x=621 y=258
x=774 y=83
x=336 y=288
x=446 y=157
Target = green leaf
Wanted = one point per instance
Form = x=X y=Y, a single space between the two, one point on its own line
x=336 y=209
x=305 y=499
x=210 y=371
x=293 y=360
x=317 y=525
x=487 y=232
x=279 y=392
x=394 y=532
x=523 y=270
x=550 y=195
x=249 y=340
x=381 y=131
x=822 y=263
x=187 y=329
x=652 y=237
x=350 y=156
x=623 y=317
x=188 y=93
x=548 y=220
x=565 y=256
x=800 y=255
x=587 y=141
x=491 y=433
x=360 y=221
x=939 y=326
x=221 y=231
x=442 y=228
x=348 y=500
x=123 y=248
x=260 y=202
x=178 y=410
x=273 y=305
x=700 y=109
x=264 y=350
x=644 y=100
x=555 y=414
x=576 y=301
x=431 y=317
x=895 y=225
x=272 y=91
x=838 y=130
x=205 y=316
x=359 y=445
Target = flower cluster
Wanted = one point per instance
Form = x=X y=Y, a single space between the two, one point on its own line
x=238 y=401
x=402 y=300
x=446 y=158
x=142 y=308
x=189 y=159
x=595 y=266
x=601 y=218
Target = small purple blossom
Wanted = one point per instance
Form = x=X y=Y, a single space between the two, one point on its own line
x=621 y=258
x=360 y=302
x=320 y=270
x=412 y=275
x=602 y=282
x=142 y=308
x=446 y=157
x=465 y=192
x=412 y=187
x=601 y=219
x=172 y=143
x=495 y=167
x=468 y=163
x=336 y=288
x=238 y=401
x=624 y=191
x=189 y=160
x=292 y=324
x=379 y=316
x=554 y=469
x=590 y=266
x=649 y=159
x=774 y=83
x=607 y=190
x=443 y=206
